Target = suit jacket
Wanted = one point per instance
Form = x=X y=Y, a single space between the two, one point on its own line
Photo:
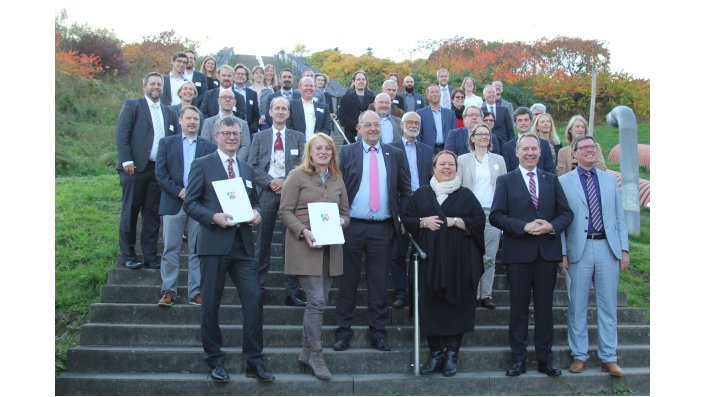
x=166 y=89
x=268 y=102
x=297 y=119
x=202 y=203
x=349 y=111
x=424 y=160
x=503 y=125
x=261 y=153
x=506 y=104
x=613 y=218
x=419 y=102
x=545 y=160
x=251 y=109
x=134 y=132
x=397 y=130
x=467 y=169
x=198 y=79
x=176 y=109
x=512 y=209
x=428 y=126
x=398 y=180
x=457 y=142
x=208 y=133
x=209 y=106
x=169 y=170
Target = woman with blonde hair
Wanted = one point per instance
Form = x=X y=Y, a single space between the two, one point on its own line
x=317 y=179
x=209 y=67
x=263 y=92
x=577 y=126
x=544 y=128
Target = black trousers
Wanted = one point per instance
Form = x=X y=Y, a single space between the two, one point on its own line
x=242 y=270
x=527 y=280
x=373 y=242
x=140 y=194
x=400 y=250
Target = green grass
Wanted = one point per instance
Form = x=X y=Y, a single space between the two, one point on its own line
x=87 y=215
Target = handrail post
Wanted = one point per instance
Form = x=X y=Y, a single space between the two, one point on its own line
x=417 y=328
x=623 y=118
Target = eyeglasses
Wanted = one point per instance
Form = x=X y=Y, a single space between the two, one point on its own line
x=488 y=120
x=587 y=147
x=459 y=97
x=229 y=134
x=181 y=61
x=227 y=98
x=481 y=134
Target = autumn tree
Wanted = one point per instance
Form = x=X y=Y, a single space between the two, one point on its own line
x=154 y=53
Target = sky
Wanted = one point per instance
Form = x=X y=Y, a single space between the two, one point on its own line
x=354 y=29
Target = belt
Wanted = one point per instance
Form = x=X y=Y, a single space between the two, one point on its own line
x=370 y=221
x=596 y=236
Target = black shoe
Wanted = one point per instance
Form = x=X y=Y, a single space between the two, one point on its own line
x=450 y=364
x=380 y=344
x=260 y=373
x=399 y=303
x=220 y=375
x=516 y=369
x=132 y=265
x=152 y=265
x=549 y=369
x=434 y=363
x=487 y=303
x=341 y=344
x=294 y=301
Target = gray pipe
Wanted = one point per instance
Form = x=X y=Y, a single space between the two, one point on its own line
x=623 y=118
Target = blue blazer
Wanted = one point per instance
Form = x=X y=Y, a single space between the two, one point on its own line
x=209 y=107
x=503 y=125
x=613 y=218
x=457 y=142
x=169 y=170
x=398 y=180
x=202 y=203
x=428 y=127
x=297 y=119
x=176 y=109
x=512 y=209
x=424 y=160
x=134 y=132
x=545 y=160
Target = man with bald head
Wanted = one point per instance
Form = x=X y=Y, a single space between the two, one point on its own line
x=391 y=125
x=308 y=115
x=413 y=101
x=390 y=88
x=376 y=177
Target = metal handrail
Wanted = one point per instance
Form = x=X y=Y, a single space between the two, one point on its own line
x=339 y=128
x=417 y=329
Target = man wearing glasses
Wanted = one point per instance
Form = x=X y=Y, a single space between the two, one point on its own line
x=175 y=79
x=457 y=140
x=227 y=101
x=225 y=247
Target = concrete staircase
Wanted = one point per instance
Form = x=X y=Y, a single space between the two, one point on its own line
x=130 y=346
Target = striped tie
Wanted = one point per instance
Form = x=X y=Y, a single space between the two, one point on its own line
x=231 y=170
x=593 y=202
x=532 y=189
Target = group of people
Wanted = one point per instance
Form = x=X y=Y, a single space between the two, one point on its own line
x=458 y=191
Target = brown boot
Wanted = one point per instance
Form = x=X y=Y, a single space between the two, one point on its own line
x=318 y=363
x=305 y=356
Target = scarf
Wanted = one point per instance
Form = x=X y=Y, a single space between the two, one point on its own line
x=443 y=189
x=458 y=112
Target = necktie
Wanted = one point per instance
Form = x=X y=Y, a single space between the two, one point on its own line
x=374 y=181
x=158 y=126
x=593 y=202
x=532 y=189
x=492 y=110
x=231 y=170
x=278 y=144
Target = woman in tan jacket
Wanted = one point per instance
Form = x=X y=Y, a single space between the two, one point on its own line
x=317 y=179
x=577 y=126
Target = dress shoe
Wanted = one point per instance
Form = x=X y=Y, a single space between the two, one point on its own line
x=220 y=375
x=450 y=364
x=399 y=303
x=549 y=369
x=434 y=363
x=577 y=366
x=341 y=344
x=612 y=368
x=196 y=300
x=487 y=303
x=294 y=301
x=516 y=369
x=166 y=300
x=260 y=373
x=380 y=344
x=132 y=265
x=152 y=265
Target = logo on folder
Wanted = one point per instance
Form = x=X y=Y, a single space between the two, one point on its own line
x=325 y=217
x=231 y=195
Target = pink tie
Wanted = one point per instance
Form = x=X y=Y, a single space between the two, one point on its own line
x=374 y=181
x=532 y=189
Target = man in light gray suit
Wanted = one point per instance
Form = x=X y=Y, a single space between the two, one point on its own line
x=390 y=125
x=595 y=250
x=227 y=101
x=273 y=154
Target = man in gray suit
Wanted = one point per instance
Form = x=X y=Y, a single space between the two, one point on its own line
x=227 y=102
x=595 y=250
x=273 y=154
x=390 y=125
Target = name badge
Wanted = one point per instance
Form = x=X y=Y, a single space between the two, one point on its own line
x=294 y=152
x=418 y=101
x=216 y=83
x=171 y=127
x=395 y=101
x=496 y=167
x=250 y=101
x=198 y=84
x=319 y=110
x=315 y=99
x=248 y=183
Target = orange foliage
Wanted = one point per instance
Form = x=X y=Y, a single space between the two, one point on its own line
x=154 y=52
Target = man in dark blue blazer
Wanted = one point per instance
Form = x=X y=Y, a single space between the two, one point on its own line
x=179 y=60
x=320 y=112
x=209 y=106
x=457 y=139
x=522 y=119
x=141 y=124
x=503 y=126
x=174 y=157
x=434 y=117
x=530 y=207
x=376 y=177
x=225 y=247
x=199 y=79
x=419 y=158
x=412 y=101
x=250 y=107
